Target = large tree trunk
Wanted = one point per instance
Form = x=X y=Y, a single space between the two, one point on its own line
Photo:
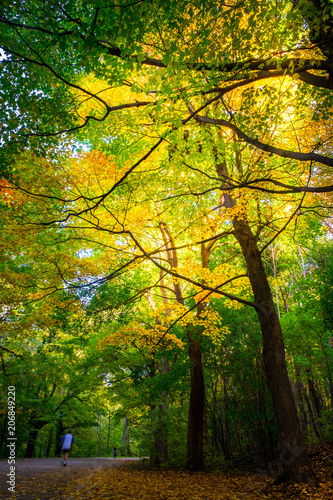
x=294 y=458
x=195 y=460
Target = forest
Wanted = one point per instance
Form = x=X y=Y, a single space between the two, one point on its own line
x=166 y=231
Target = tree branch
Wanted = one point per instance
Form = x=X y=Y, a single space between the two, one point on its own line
x=284 y=153
x=12 y=352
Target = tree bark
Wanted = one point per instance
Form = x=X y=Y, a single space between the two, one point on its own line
x=224 y=421
x=49 y=442
x=161 y=443
x=295 y=462
x=124 y=436
x=294 y=458
x=109 y=431
x=195 y=433
x=3 y=434
x=35 y=426
x=60 y=431
x=99 y=433
x=195 y=459
x=301 y=404
x=329 y=373
x=195 y=428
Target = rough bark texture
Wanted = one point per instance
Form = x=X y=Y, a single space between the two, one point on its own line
x=295 y=462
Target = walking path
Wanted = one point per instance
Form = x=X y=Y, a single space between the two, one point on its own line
x=48 y=479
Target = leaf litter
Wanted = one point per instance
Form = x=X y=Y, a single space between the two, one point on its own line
x=128 y=480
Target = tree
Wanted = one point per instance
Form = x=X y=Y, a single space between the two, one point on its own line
x=179 y=76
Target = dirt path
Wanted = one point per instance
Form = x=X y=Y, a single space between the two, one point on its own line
x=48 y=479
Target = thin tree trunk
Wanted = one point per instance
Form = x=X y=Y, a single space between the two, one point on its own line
x=301 y=404
x=195 y=429
x=124 y=435
x=195 y=460
x=108 y=439
x=59 y=435
x=35 y=426
x=311 y=416
x=316 y=402
x=49 y=441
x=225 y=427
x=3 y=434
x=329 y=373
x=99 y=433
x=128 y=444
x=274 y=273
x=161 y=446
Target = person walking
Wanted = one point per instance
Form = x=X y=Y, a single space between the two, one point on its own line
x=115 y=452
x=67 y=442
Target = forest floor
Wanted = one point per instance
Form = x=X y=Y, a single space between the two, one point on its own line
x=131 y=479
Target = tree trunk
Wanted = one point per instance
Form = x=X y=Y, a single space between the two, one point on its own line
x=35 y=426
x=59 y=435
x=311 y=416
x=123 y=439
x=109 y=430
x=195 y=432
x=161 y=444
x=128 y=444
x=296 y=464
x=224 y=421
x=316 y=402
x=195 y=429
x=99 y=433
x=329 y=373
x=195 y=460
x=49 y=441
x=301 y=404
x=316 y=398
x=3 y=434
